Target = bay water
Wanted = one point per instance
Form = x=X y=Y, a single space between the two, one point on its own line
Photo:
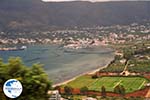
x=62 y=64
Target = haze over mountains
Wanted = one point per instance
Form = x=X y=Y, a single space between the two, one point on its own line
x=29 y=15
x=75 y=0
x=86 y=0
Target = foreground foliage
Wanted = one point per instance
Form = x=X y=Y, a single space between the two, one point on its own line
x=34 y=80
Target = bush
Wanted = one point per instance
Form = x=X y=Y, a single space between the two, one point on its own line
x=84 y=89
x=94 y=76
x=68 y=90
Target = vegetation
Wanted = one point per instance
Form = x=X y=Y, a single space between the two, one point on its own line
x=130 y=83
x=120 y=90
x=84 y=89
x=138 y=56
x=103 y=91
x=68 y=90
x=139 y=66
x=94 y=76
x=34 y=80
x=20 y=18
x=115 y=66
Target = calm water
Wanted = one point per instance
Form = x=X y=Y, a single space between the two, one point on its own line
x=62 y=64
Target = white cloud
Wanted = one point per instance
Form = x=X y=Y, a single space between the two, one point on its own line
x=74 y=0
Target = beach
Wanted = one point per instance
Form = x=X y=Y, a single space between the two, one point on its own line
x=86 y=73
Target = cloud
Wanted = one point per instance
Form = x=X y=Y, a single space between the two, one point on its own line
x=74 y=0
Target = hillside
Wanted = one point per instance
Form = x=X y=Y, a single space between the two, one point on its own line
x=29 y=15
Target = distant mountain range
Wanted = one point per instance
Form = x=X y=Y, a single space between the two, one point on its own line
x=30 y=15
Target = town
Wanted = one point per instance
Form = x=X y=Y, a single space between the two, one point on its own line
x=81 y=37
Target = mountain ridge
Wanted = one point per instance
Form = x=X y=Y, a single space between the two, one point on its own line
x=29 y=15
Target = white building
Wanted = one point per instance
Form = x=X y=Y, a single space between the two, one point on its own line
x=54 y=95
x=90 y=98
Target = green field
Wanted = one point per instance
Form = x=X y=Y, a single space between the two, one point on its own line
x=130 y=83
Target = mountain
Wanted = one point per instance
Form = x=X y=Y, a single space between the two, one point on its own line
x=30 y=15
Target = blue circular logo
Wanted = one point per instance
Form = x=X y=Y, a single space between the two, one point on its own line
x=12 y=88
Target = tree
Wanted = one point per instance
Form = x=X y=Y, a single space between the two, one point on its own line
x=94 y=76
x=84 y=89
x=103 y=91
x=117 y=57
x=34 y=80
x=117 y=89
x=128 y=53
x=68 y=90
x=120 y=90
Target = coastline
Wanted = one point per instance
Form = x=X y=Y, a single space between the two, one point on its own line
x=86 y=73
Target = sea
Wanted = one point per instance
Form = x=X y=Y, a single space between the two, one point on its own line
x=62 y=63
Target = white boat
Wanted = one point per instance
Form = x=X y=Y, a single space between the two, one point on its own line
x=23 y=47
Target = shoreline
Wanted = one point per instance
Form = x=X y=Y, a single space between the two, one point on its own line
x=86 y=73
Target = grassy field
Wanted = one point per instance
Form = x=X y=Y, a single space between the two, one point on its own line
x=130 y=83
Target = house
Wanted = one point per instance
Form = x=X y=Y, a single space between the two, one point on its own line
x=89 y=98
x=123 y=61
x=54 y=95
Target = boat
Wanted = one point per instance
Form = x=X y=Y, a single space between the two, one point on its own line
x=13 y=48
x=23 y=48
